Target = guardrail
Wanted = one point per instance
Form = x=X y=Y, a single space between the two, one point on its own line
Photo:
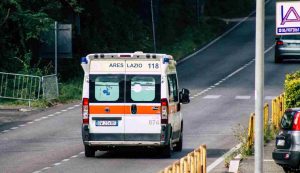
x=277 y=112
x=194 y=162
x=18 y=86
x=278 y=109
x=27 y=87
x=251 y=126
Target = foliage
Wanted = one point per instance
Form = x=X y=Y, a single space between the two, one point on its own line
x=70 y=90
x=241 y=135
x=229 y=8
x=106 y=26
x=292 y=90
x=21 y=23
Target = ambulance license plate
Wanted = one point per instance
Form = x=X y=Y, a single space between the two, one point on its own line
x=106 y=123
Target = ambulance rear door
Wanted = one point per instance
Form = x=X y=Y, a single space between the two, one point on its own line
x=107 y=95
x=142 y=103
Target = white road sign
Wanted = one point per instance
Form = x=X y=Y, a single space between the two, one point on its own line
x=288 y=18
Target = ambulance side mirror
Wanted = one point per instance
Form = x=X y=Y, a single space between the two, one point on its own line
x=184 y=96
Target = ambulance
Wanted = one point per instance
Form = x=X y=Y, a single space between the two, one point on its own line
x=131 y=100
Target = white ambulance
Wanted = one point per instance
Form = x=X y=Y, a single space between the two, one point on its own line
x=131 y=99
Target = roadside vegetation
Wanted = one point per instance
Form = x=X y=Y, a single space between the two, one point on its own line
x=292 y=99
x=181 y=28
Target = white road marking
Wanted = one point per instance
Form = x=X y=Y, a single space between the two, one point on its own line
x=57 y=112
x=266 y=160
x=65 y=160
x=14 y=128
x=39 y=119
x=37 y=172
x=51 y=115
x=44 y=117
x=221 y=159
x=30 y=122
x=64 y=110
x=81 y=153
x=242 y=97
x=71 y=107
x=192 y=97
x=76 y=105
x=46 y=168
x=5 y=131
x=270 y=97
x=22 y=125
x=212 y=97
x=74 y=156
x=56 y=164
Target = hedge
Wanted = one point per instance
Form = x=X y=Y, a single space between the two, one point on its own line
x=292 y=90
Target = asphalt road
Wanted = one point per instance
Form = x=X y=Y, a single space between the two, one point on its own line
x=221 y=80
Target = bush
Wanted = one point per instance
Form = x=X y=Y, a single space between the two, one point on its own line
x=292 y=90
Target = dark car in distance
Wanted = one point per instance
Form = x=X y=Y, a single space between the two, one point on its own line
x=287 y=147
x=287 y=47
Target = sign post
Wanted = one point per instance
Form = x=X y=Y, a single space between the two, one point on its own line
x=259 y=84
x=55 y=46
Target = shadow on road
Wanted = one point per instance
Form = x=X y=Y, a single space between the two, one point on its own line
x=143 y=153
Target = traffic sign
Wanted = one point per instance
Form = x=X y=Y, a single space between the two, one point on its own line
x=287 y=17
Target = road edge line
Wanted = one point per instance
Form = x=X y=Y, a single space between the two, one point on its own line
x=222 y=158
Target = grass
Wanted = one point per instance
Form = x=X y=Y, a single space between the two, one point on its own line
x=69 y=91
x=194 y=37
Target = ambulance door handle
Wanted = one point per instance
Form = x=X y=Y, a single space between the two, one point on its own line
x=133 y=109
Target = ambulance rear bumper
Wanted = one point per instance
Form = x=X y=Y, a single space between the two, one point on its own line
x=124 y=143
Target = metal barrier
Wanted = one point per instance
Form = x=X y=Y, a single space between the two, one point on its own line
x=250 y=137
x=27 y=87
x=18 y=86
x=251 y=126
x=194 y=162
x=278 y=108
x=50 y=87
x=266 y=117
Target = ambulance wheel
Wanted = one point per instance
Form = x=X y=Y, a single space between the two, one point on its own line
x=178 y=145
x=166 y=151
x=277 y=59
x=89 y=151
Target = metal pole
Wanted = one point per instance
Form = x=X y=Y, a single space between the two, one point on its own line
x=153 y=27
x=55 y=46
x=259 y=84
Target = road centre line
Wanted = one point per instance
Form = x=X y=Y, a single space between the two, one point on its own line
x=44 y=169
x=270 y=97
x=242 y=97
x=233 y=73
x=56 y=164
x=212 y=97
x=38 y=119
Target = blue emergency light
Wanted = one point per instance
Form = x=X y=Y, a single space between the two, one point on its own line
x=84 y=60
x=166 y=60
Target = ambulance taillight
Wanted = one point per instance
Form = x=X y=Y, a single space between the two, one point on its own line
x=164 y=111
x=85 y=111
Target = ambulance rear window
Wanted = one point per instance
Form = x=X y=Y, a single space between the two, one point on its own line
x=143 y=88
x=107 y=88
